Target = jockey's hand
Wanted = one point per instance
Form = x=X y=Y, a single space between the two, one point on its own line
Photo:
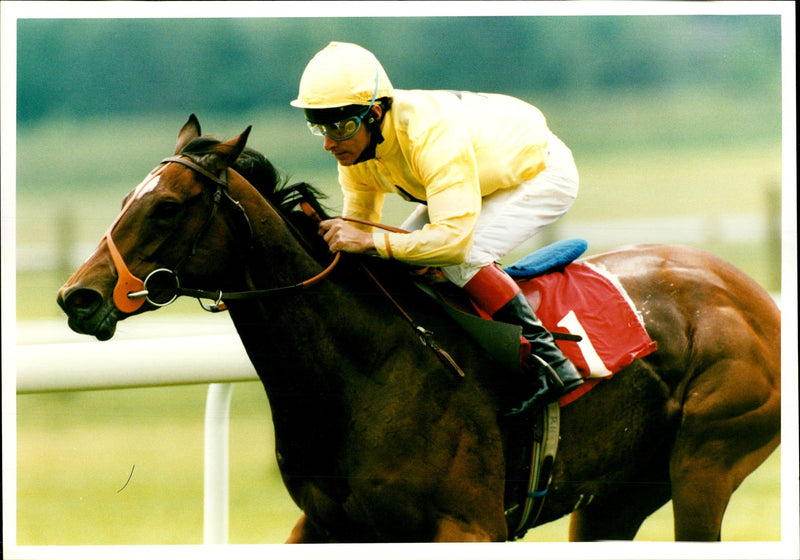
x=342 y=236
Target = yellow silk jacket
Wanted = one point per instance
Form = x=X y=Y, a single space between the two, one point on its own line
x=447 y=150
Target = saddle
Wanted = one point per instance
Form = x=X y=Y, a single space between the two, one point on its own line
x=585 y=307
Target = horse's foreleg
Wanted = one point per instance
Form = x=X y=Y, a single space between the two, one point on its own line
x=305 y=533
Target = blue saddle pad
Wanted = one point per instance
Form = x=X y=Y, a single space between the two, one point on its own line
x=553 y=256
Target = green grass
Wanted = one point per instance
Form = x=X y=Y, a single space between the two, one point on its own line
x=75 y=452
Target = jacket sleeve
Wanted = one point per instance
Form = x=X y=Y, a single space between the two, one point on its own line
x=443 y=160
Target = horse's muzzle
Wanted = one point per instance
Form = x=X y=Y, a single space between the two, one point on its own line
x=85 y=309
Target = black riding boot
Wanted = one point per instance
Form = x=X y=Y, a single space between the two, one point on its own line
x=557 y=375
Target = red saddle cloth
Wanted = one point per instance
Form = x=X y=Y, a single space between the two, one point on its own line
x=584 y=300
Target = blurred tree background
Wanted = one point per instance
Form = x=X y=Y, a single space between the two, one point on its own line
x=88 y=67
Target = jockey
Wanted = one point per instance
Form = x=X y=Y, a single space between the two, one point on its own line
x=487 y=172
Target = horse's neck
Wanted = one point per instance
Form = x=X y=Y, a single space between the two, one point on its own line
x=307 y=331
x=312 y=349
x=296 y=339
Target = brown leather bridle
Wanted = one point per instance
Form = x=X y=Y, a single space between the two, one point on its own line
x=131 y=292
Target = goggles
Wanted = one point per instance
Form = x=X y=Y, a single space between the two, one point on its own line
x=342 y=130
x=346 y=128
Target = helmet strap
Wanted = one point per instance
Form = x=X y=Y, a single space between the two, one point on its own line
x=375 y=138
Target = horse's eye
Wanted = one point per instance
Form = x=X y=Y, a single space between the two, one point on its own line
x=166 y=211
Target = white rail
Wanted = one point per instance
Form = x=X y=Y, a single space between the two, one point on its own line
x=218 y=360
x=124 y=364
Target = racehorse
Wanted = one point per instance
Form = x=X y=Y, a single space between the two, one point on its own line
x=376 y=438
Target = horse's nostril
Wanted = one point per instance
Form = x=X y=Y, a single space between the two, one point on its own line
x=83 y=301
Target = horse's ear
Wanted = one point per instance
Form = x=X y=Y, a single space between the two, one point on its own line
x=189 y=132
x=231 y=149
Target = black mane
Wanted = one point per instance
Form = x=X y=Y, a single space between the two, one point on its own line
x=271 y=184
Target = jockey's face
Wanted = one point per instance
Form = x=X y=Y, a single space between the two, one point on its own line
x=347 y=151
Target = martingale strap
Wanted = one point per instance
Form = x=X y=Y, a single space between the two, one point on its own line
x=425 y=336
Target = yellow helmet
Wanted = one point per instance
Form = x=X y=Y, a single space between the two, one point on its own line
x=342 y=74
